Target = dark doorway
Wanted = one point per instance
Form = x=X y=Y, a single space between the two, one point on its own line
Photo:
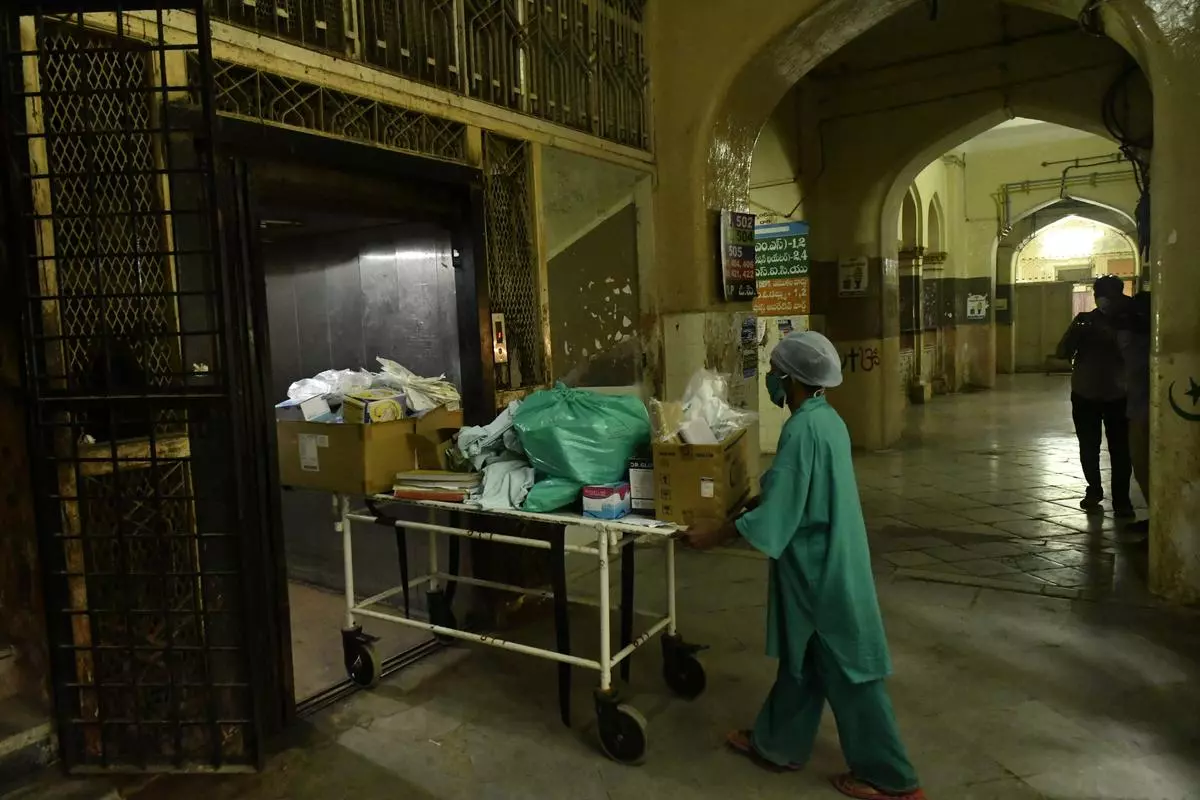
x=353 y=269
x=358 y=252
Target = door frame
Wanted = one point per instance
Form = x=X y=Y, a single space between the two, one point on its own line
x=241 y=143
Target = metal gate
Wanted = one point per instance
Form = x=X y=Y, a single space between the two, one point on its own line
x=138 y=366
x=512 y=261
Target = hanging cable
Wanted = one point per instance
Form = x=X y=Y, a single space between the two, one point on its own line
x=1117 y=115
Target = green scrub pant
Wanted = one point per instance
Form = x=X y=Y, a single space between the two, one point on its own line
x=786 y=728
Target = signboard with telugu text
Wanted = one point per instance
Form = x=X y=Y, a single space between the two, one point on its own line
x=781 y=250
x=737 y=256
x=781 y=297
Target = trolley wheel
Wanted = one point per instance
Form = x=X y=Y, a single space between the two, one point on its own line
x=622 y=733
x=363 y=664
x=685 y=676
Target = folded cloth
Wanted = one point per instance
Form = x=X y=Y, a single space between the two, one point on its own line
x=482 y=444
x=505 y=484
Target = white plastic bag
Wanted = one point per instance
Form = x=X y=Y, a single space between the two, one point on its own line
x=332 y=384
x=706 y=401
x=423 y=394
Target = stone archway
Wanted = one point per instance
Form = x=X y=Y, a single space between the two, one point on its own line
x=1008 y=245
x=706 y=140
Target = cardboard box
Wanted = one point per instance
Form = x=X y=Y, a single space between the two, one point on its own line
x=310 y=410
x=701 y=482
x=641 y=484
x=360 y=459
x=608 y=501
x=374 y=405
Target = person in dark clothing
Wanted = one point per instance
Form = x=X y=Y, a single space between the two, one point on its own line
x=1098 y=396
x=1133 y=323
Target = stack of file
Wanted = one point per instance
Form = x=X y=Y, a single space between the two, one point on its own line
x=444 y=487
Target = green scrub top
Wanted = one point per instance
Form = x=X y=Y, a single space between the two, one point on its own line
x=810 y=525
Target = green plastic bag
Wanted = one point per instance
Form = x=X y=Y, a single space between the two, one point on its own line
x=551 y=494
x=583 y=436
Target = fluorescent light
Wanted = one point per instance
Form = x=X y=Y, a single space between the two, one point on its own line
x=400 y=255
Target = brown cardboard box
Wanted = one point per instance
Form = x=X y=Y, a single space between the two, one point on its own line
x=360 y=459
x=701 y=482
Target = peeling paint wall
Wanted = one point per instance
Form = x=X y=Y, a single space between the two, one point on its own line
x=594 y=305
x=591 y=216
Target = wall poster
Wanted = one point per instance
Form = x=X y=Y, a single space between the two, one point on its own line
x=782 y=264
x=737 y=256
x=853 y=276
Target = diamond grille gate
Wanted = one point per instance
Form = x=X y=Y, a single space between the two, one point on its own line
x=512 y=264
x=138 y=375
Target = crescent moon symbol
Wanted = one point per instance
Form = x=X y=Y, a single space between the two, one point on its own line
x=1171 y=397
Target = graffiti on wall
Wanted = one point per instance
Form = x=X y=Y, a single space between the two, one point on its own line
x=864 y=359
x=1193 y=392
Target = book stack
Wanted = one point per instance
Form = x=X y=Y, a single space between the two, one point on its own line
x=436 y=485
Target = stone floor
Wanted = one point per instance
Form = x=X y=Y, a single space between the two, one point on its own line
x=987 y=486
x=1004 y=691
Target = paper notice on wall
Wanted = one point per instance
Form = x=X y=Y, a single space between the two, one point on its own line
x=750 y=340
x=853 y=276
x=310 y=459
x=977 y=306
x=708 y=488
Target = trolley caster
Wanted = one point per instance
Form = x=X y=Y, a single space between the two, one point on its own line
x=362 y=662
x=441 y=614
x=682 y=671
x=622 y=730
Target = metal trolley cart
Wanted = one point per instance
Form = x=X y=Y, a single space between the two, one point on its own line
x=622 y=729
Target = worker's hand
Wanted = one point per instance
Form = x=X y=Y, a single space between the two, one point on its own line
x=706 y=535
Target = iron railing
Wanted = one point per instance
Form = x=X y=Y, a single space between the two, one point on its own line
x=133 y=390
x=579 y=63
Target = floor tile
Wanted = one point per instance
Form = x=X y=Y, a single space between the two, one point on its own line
x=1000 y=498
x=1038 y=509
x=952 y=553
x=996 y=549
x=1065 y=577
x=986 y=568
x=1034 y=528
x=1085 y=522
x=935 y=519
x=910 y=558
x=1050 y=493
x=992 y=514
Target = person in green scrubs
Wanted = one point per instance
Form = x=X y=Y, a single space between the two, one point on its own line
x=823 y=619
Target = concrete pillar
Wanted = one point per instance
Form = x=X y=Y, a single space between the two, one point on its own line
x=912 y=323
x=866 y=330
x=1175 y=398
x=1005 y=316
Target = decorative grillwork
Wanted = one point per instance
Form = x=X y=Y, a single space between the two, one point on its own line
x=136 y=465
x=512 y=270
x=416 y=38
x=622 y=76
x=492 y=30
x=113 y=275
x=560 y=34
x=320 y=24
x=580 y=63
x=247 y=92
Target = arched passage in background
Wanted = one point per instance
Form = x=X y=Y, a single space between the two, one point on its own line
x=933 y=240
x=910 y=220
x=1030 y=313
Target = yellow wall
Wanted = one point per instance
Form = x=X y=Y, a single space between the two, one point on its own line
x=775 y=185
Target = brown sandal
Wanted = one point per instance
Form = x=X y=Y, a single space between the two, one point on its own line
x=852 y=787
x=742 y=741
